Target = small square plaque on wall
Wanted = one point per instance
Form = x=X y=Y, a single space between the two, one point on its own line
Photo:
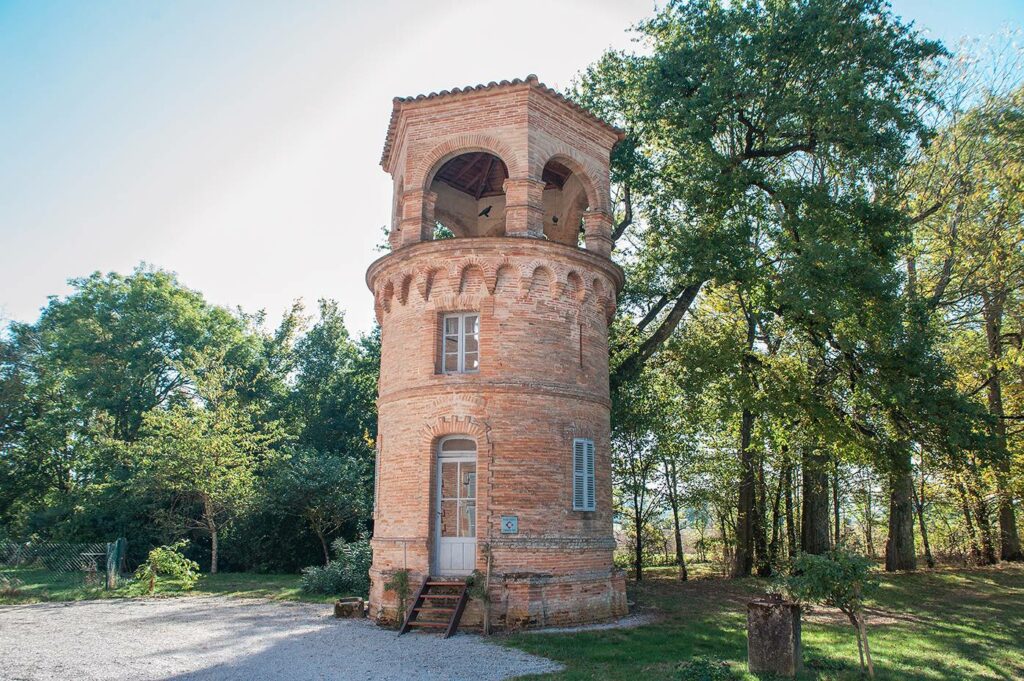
x=510 y=524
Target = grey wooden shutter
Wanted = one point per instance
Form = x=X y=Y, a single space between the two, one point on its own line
x=591 y=502
x=583 y=492
x=579 y=467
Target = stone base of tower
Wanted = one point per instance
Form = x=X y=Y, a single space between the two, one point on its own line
x=524 y=600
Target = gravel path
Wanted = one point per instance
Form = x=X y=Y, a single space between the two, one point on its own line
x=207 y=638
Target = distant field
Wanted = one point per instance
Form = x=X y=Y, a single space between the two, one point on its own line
x=932 y=625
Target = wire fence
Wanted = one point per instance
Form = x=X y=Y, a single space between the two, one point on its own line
x=44 y=567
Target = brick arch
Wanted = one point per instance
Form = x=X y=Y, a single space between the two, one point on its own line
x=589 y=177
x=421 y=174
x=443 y=426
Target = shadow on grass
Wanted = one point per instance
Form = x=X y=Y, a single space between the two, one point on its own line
x=950 y=624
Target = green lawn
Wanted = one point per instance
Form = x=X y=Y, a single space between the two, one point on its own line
x=943 y=624
x=41 y=585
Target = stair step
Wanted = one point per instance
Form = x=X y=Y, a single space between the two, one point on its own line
x=440 y=611
x=446 y=584
x=444 y=596
x=425 y=623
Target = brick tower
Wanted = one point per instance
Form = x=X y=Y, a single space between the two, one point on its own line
x=494 y=305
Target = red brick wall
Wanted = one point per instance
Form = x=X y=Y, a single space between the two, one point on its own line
x=530 y=398
x=543 y=380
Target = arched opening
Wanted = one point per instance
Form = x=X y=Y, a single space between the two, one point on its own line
x=565 y=202
x=470 y=191
x=455 y=550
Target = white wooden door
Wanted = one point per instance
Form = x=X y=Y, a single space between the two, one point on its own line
x=456 y=510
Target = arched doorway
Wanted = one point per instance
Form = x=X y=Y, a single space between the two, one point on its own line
x=470 y=191
x=565 y=202
x=455 y=547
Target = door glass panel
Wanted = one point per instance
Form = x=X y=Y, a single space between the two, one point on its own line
x=467 y=480
x=467 y=519
x=449 y=480
x=450 y=518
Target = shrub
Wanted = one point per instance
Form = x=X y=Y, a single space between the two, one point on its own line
x=346 y=575
x=167 y=562
x=839 y=579
x=704 y=669
x=399 y=583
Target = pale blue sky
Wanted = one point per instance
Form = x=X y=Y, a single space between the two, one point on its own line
x=237 y=143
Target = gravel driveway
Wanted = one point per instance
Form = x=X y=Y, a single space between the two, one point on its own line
x=208 y=637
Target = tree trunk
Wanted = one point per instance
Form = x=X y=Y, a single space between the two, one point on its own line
x=863 y=631
x=919 y=506
x=323 y=546
x=981 y=515
x=673 y=500
x=965 y=506
x=743 y=559
x=814 y=531
x=790 y=520
x=762 y=560
x=869 y=519
x=211 y=526
x=723 y=528
x=638 y=547
x=835 y=502
x=900 y=553
x=1009 y=539
x=773 y=545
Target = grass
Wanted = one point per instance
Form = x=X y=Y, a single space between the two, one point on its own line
x=39 y=585
x=931 y=625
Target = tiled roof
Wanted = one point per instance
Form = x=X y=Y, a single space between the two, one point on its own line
x=531 y=80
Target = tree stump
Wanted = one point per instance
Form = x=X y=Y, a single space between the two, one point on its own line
x=773 y=637
x=349 y=607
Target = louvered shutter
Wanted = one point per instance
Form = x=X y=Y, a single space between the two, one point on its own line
x=591 y=502
x=579 y=468
x=583 y=486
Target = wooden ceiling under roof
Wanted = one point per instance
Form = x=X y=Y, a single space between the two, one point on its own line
x=480 y=174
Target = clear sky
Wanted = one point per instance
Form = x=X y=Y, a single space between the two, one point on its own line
x=238 y=143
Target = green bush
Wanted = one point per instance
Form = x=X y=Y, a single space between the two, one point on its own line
x=839 y=579
x=704 y=669
x=346 y=575
x=168 y=562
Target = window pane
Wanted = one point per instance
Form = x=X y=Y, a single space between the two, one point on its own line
x=467 y=520
x=471 y=363
x=467 y=480
x=451 y=363
x=449 y=479
x=472 y=344
x=451 y=325
x=472 y=324
x=459 y=444
x=449 y=518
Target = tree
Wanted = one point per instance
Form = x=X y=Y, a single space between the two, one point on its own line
x=839 y=579
x=206 y=451
x=325 y=490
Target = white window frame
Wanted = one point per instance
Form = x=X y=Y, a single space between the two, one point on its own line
x=461 y=343
x=584 y=488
